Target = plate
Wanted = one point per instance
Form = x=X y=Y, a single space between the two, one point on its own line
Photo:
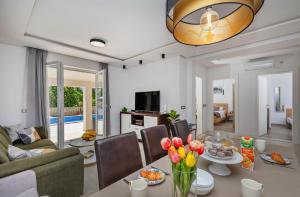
x=267 y=157
x=156 y=182
x=216 y=157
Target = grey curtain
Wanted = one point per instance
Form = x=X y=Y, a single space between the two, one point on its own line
x=37 y=107
x=104 y=67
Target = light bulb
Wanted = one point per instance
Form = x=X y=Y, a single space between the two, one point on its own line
x=209 y=20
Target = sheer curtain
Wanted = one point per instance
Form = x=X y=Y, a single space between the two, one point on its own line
x=37 y=105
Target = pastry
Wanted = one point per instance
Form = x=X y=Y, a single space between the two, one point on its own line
x=278 y=158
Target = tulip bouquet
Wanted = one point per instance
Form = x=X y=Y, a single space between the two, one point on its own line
x=184 y=162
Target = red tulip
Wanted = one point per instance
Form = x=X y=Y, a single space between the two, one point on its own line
x=177 y=142
x=197 y=146
x=201 y=149
x=189 y=138
x=174 y=156
x=165 y=143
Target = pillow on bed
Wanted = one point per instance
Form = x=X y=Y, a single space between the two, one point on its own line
x=216 y=108
x=221 y=108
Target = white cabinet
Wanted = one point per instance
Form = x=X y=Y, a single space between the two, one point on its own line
x=125 y=123
x=150 y=121
x=137 y=129
x=133 y=121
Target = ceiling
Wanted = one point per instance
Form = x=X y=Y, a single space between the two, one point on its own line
x=134 y=29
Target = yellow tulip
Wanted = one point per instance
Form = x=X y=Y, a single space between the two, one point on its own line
x=181 y=152
x=172 y=148
x=190 y=160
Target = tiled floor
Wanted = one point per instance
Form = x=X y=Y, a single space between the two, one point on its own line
x=279 y=132
x=224 y=126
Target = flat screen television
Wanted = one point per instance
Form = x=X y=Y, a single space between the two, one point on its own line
x=147 y=101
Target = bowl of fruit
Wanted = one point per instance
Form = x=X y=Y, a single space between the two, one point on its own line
x=89 y=135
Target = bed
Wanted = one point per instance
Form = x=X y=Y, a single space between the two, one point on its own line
x=220 y=112
x=289 y=118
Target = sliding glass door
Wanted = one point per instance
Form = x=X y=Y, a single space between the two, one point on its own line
x=76 y=102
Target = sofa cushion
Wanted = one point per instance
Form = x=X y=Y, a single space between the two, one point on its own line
x=4 y=137
x=38 y=144
x=29 y=135
x=12 y=131
x=16 y=153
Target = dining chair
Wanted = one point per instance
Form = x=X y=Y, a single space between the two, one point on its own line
x=117 y=157
x=181 y=129
x=151 y=138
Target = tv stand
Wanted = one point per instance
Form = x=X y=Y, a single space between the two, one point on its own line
x=136 y=121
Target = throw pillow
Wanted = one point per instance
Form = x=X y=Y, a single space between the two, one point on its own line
x=16 y=153
x=40 y=151
x=29 y=135
x=12 y=131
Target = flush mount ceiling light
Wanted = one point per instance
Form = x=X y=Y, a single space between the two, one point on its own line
x=211 y=27
x=97 y=42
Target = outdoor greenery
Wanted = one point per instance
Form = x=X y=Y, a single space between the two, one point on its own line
x=73 y=96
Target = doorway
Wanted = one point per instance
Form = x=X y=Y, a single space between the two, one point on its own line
x=275 y=106
x=224 y=105
x=75 y=102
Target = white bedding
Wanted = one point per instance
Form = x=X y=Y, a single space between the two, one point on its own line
x=289 y=120
x=221 y=113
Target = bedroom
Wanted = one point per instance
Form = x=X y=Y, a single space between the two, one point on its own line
x=223 y=104
x=276 y=106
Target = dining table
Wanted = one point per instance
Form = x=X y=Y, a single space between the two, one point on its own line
x=278 y=181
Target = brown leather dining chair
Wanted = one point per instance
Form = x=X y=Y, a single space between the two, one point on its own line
x=151 y=142
x=117 y=157
x=181 y=129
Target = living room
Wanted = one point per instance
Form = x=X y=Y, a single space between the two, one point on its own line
x=83 y=81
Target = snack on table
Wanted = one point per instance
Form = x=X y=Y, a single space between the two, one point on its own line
x=247 y=152
x=218 y=150
x=89 y=135
x=150 y=175
x=278 y=158
x=219 y=147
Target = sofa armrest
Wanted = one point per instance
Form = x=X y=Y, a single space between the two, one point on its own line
x=19 y=165
x=42 y=131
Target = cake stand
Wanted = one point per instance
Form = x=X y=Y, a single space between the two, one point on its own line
x=219 y=166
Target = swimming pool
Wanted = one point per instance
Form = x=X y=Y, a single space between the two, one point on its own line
x=70 y=119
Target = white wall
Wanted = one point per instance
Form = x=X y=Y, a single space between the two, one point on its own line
x=285 y=82
x=169 y=76
x=227 y=97
x=12 y=80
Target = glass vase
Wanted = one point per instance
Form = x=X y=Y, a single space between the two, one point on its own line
x=182 y=181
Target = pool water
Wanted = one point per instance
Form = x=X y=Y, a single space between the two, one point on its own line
x=70 y=119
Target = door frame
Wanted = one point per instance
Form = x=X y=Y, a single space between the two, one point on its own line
x=60 y=102
x=258 y=105
x=103 y=100
x=199 y=105
x=274 y=72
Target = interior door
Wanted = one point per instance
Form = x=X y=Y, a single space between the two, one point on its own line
x=199 y=104
x=100 y=103
x=262 y=105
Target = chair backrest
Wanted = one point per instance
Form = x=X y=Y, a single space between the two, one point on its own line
x=151 y=138
x=180 y=129
x=117 y=157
